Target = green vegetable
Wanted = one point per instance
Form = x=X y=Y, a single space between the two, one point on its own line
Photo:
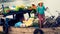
x=5 y=10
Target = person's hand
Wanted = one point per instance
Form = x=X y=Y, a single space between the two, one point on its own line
x=46 y=7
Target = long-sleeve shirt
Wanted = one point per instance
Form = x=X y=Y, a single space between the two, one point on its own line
x=41 y=10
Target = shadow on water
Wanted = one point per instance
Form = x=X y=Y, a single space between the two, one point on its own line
x=38 y=31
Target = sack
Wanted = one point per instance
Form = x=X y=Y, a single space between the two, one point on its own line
x=26 y=16
x=32 y=15
x=29 y=22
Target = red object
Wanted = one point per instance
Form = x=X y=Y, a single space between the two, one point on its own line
x=7 y=11
x=41 y=19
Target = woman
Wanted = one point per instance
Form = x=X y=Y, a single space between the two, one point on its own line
x=41 y=13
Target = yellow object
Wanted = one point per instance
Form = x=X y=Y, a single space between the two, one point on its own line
x=17 y=8
x=28 y=22
x=21 y=6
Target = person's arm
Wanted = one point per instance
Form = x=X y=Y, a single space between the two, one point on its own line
x=45 y=8
x=37 y=9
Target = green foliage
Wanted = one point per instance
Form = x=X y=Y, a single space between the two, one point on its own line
x=35 y=25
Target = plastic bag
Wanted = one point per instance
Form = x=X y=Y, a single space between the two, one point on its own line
x=26 y=16
x=18 y=24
